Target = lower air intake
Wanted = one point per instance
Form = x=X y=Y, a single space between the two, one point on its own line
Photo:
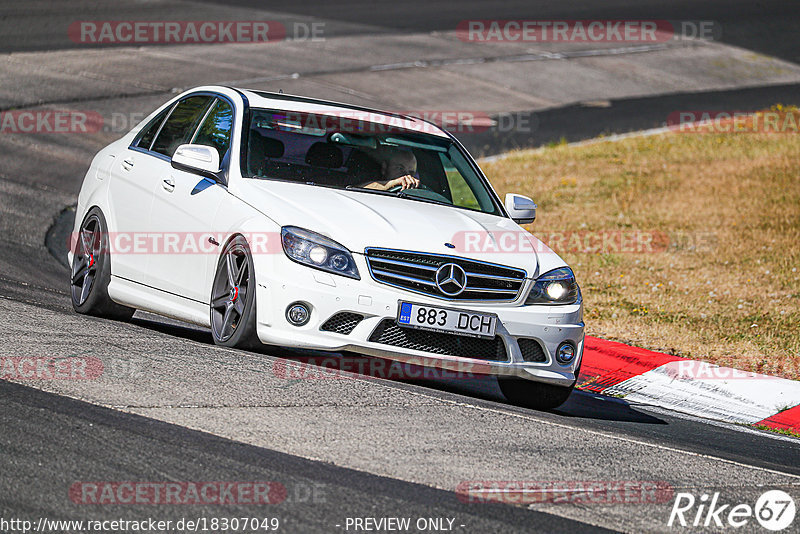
x=532 y=350
x=388 y=333
x=342 y=323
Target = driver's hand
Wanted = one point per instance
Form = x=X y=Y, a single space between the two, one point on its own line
x=405 y=182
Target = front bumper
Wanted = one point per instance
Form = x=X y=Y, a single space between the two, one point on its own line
x=281 y=282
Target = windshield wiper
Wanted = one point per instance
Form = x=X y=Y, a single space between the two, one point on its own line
x=398 y=194
x=405 y=194
x=370 y=190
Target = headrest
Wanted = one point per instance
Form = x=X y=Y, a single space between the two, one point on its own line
x=324 y=155
x=363 y=166
x=264 y=147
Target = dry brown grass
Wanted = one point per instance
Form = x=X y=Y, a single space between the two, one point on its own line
x=726 y=289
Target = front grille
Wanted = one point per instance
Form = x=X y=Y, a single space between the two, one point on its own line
x=416 y=271
x=342 y=322
x=388 y=333
x=532 y=350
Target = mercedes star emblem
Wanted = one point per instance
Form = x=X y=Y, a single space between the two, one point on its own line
x=451 y=279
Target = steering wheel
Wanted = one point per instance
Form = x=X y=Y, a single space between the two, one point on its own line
x=396 y=188
x=423 y=191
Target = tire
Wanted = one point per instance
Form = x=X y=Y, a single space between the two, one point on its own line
x=91 y=271
x=233 y=298
x=536 y=395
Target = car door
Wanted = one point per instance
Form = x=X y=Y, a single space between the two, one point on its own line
x=184 y=209
x=133 y=175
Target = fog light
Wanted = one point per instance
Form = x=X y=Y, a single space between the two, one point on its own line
x=565 y=353
x=298 y=314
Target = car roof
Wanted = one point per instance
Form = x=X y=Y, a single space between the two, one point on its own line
x=302 y=104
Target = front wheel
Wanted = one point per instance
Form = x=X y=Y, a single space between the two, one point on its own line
x=534 y=395
x=91 y=271
x=233 y=297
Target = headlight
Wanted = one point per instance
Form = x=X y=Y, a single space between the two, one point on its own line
x=555 y=287
x=317 y=251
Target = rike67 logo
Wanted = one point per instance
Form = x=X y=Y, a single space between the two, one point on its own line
x=774 y=510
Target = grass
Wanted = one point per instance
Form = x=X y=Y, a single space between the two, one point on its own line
x=720 y=280
x=784 y=431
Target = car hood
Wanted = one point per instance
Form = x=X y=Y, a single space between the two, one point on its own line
x=360 y=220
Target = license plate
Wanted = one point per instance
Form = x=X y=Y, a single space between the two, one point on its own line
x=438 y=319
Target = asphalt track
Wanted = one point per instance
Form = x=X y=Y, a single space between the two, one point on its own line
x=176 y=408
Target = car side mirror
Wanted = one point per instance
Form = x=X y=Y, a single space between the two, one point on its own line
x=521 y=209
x=198 y=159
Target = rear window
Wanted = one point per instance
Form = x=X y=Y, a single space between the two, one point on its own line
x=150 y=131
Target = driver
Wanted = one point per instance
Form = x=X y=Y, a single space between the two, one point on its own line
x=398 y=171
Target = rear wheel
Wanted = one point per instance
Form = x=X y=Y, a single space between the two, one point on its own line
x=534 y=395
x=233 y=297
x=91 y=271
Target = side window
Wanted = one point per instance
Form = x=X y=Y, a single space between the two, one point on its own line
x=459 y=188
x=181 y=124
x=216 y=129
x=150 y=131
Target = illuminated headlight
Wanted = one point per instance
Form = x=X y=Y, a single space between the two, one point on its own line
x=555 y=287
x=317 y=251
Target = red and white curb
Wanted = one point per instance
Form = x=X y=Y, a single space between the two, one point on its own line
x=689 y=386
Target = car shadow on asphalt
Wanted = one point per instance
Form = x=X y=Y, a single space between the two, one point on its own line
x=580 y=405
x=310 y=364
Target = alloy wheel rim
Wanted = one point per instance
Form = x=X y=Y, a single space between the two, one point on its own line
x=230 y=292
x=84 y=263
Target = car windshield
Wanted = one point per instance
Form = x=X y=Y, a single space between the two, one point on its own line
x=349 y=153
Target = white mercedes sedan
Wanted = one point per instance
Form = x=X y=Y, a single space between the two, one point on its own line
x=296 y=222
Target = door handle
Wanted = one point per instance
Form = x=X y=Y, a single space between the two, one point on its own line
x=168 y=184
x=127 y=164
